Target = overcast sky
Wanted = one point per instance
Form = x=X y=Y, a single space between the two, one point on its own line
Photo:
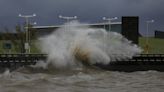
x=90 y=11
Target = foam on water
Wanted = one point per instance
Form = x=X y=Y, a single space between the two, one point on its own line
x=73 y=45
x=6 y=73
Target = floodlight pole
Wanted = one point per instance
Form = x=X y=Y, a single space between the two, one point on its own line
x=67 y=18
x=27 y=46
x=147 y=35
x=109 y=21
x=34 y=23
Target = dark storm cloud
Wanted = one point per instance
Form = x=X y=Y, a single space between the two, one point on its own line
x=87 y=10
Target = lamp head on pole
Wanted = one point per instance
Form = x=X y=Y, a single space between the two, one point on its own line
x=104 y=18
x=75 y=17
x=34 y=23
x=34 y=15
x=19 y=15
x=109 y=19
x=115 y=17
x=60 y=16
x=151 y=21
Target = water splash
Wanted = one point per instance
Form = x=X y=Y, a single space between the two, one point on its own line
x=75 y=44
x=6 y=73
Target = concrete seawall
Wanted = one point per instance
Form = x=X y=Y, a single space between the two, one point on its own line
x=140 y=62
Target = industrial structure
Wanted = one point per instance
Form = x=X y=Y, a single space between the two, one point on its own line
x=128 y=28
x=159 y=34
x=46 y=30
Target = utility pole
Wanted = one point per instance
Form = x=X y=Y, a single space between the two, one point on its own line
x=67 y=18
x=147 y=36
x=109 y=21
x=26 y=44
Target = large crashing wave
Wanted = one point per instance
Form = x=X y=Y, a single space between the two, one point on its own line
x=74 y=44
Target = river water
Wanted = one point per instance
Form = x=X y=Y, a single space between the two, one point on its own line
x=81 y=80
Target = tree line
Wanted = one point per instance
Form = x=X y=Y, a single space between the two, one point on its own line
x=18 y=37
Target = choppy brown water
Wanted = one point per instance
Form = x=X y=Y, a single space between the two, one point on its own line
x=88 y=80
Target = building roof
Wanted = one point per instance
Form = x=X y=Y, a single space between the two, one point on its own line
x=94 y=24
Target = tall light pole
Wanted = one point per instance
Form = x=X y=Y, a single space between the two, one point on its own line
x=29 y=34
x=147 y=35
x=26 y=45
x=67 y=18
x=109 y=21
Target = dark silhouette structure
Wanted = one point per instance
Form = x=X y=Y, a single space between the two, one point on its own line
x=130 y=26
x=159 y=34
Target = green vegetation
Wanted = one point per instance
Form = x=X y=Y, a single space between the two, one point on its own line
x=35 y=47
x=155 y=45
x=17 y=40
x=15 y=48
x=2 y=50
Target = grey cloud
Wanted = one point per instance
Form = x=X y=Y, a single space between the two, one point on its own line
x=86 y=10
